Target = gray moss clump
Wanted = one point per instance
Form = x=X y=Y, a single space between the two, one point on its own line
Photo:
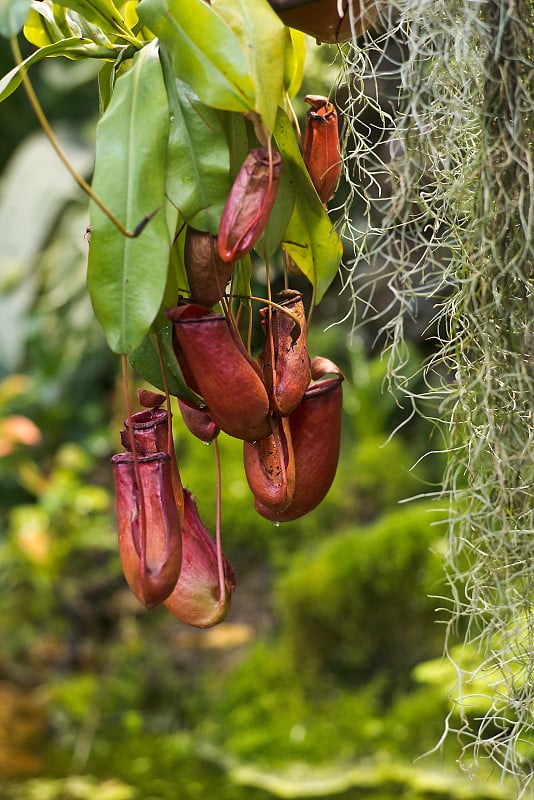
x=446 y=231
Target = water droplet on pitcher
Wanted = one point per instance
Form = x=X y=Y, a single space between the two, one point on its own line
x=276 y=524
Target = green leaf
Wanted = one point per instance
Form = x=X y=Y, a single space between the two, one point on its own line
x=262 y=36
x=69 y=47
x=177 y=263
x=235 y=127
x=176 y=280
x=145 y=361
x=49 y=23
x=295 y=59
x=110 y=72
x=127 y=277
x=102 y=13
x=198 y=160
x=242 y=276
x=309 y=238
x=105 y=85
x=99 y=12
x=13 y=15
x=279 y=217
x=204 y=50
x=43 y=28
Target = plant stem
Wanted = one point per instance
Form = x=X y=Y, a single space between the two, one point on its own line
x=45 y=125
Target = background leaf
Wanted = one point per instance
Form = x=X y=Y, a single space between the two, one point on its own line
x=42 y=193
x=127 y=277
x=13 y=15
x=198 y=160
x=309 y=238
x=204 y=51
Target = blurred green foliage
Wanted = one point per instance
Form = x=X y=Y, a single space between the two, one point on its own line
x=348 y=610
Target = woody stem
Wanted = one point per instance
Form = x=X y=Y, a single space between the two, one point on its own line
x=218 y=541
x=271 y=303
x=170 y=444
x=45 y=125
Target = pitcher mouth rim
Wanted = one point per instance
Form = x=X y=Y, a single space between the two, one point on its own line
x=128 y=458
x=146 y=419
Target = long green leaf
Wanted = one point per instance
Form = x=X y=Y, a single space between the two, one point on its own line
x=309 y=238
x=198 y=160
x=13 y=15
x=262 y=36
x=68 y=47
x=127 y=277
x=205 y=51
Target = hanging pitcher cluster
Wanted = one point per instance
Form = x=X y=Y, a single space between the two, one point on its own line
x=167 y=555
x=178 y=113
x=284 y=405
